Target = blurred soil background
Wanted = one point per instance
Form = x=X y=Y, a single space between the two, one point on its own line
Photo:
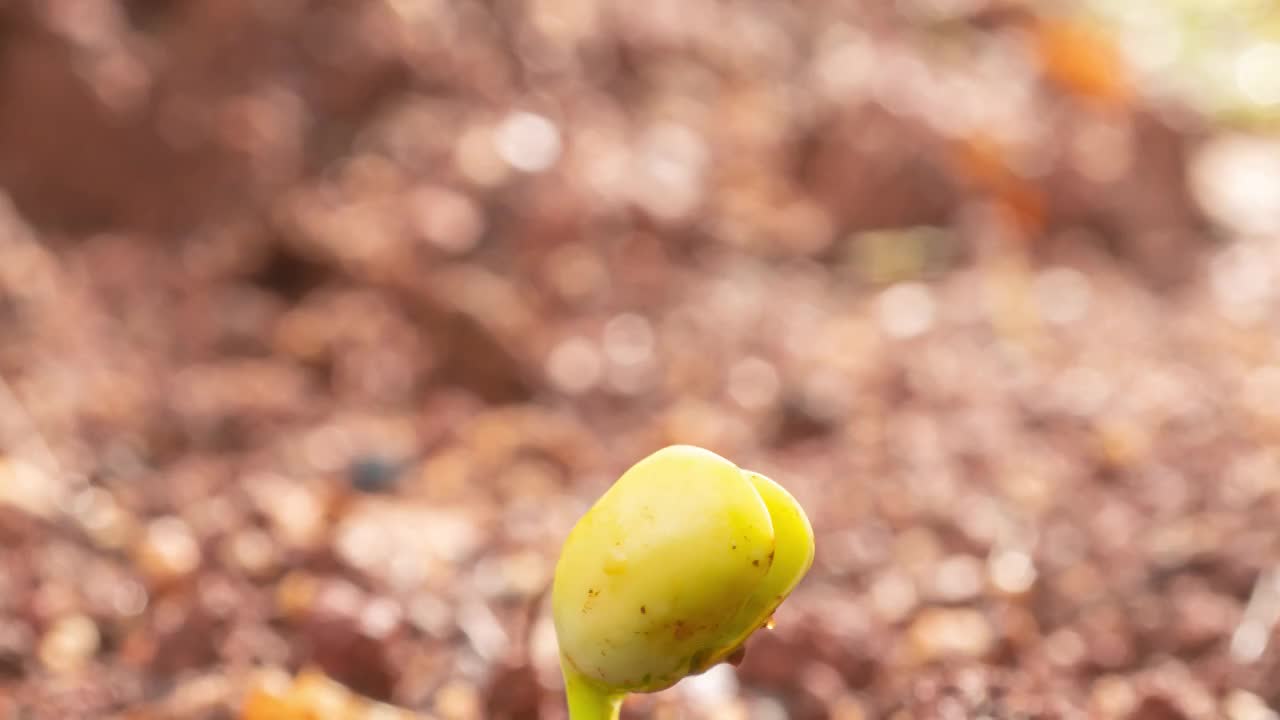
x=322 y=321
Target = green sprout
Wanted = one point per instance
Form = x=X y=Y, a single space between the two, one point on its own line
x=669 y=573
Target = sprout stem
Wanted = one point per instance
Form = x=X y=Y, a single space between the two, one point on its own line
x=588 y=701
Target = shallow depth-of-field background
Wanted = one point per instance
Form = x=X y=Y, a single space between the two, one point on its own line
x=322 y=321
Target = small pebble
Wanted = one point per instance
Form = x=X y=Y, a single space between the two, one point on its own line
x=893 y=596
x=458 y=700
x=939 y=633
x=200 y=695
x=958 y=578
x=906 y=310
x=168 y=549
x=251 y=550
x=1011 y=571
x=296 y=511
x=296 y=593
x=1112 y=696
x=528 y=142
x=69 y=644
x=574 y=366
x=1244 y=705
x=373 y=473
x=102 y=518
x=25 y=486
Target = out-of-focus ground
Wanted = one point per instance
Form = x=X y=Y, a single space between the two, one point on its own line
x=321 y=322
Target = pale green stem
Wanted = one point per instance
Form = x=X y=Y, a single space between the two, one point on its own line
x=587 y=700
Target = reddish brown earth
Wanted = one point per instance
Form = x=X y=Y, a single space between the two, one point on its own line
x=323 y=321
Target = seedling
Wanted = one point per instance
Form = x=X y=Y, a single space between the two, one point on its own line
x=669 y=573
